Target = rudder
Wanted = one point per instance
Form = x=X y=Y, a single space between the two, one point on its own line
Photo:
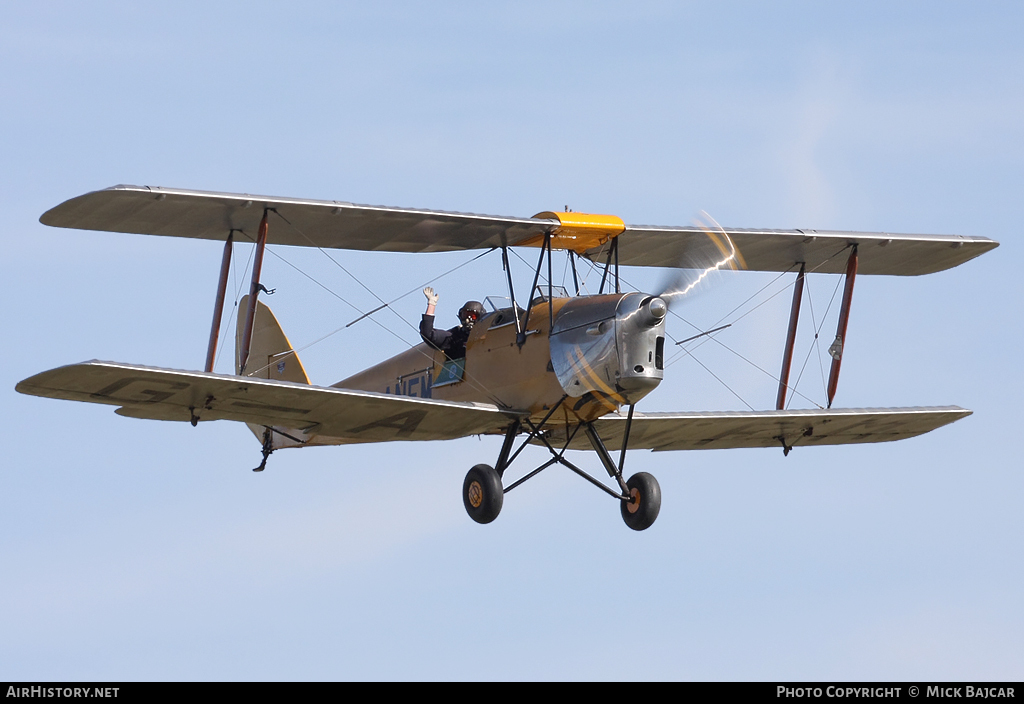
x=271 y=355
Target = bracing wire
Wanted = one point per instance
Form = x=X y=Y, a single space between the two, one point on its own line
x=583 y=281
x=709 y=338
x=427 y=283
x=815 y=344
x=342 y=267
x=722 y=382
x=470 y=378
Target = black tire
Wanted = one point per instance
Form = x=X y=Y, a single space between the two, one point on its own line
x=641 y=512
x=482 y=493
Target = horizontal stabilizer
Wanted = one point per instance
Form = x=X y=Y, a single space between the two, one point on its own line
x=325 y=413
x=339 y=225
x=729 y=430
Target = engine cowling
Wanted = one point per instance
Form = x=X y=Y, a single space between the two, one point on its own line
x=611 y=345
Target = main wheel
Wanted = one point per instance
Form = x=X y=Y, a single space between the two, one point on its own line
x=482 y=493
x=642 y=509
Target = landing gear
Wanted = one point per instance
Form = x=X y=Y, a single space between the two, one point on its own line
x=482 y=493
x=639 y=498
x=642 y=509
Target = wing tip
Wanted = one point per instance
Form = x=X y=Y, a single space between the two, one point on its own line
x=57 y=216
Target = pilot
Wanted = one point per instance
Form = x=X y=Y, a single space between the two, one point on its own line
x=451 y=342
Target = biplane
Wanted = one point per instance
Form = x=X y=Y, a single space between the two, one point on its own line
x=560 y=371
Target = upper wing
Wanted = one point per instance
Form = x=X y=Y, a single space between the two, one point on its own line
x=780 y=250
x=357 y=416
x=306 y=223
x=340 y=225
x=726 y=430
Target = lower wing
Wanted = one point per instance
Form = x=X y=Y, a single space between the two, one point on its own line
x=315 y=411
x=727 y=430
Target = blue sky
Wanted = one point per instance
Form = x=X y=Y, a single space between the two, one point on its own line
x=144 y=550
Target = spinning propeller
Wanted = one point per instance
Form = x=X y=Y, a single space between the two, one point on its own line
x=710 y=252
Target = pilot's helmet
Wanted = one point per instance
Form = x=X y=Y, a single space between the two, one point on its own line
x=471 y=312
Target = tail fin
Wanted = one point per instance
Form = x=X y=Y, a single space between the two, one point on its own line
x=271 y=355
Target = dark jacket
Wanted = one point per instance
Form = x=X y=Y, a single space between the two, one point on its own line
x=451 y=342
